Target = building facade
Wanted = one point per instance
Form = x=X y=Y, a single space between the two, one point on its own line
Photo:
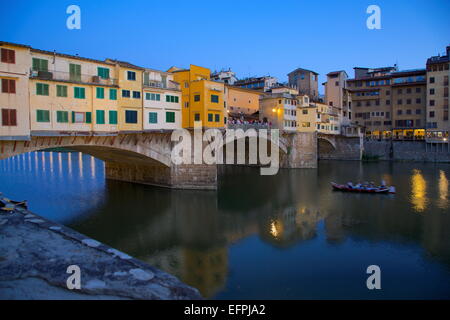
x=280 y=110
x=14 y=98
x=305 y=81
x=162 y=101
x=438 y=125
x=263 y=84
x=203 y=100
x=225 y=76
x=242 y=104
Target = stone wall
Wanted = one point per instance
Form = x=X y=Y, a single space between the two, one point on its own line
x=407 y=150
x=301 y=150
x=340 y=148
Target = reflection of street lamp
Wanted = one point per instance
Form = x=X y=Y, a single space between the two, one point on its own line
x=445 y=139
x=274 y=110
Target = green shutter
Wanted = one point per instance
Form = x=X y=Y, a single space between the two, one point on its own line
x=112 y=117
x=167 y=98
x=58 y=116
x=75 y=72
x=170 y=117
x=100 y=116
x=73 y=116
x=88 y=117
x=100 y=93
x=153 y=117
x=113 y=94
x=42 y=116
x=210 y=117
x=158 y=97
x=61 y=91
x=36 y=64
x=62 y=116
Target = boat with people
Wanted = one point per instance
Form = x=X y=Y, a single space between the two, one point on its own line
x=364 y=187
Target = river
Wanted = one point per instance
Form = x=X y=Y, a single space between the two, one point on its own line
x=287 y=236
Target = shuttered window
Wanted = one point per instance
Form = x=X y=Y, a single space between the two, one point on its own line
x=42 y=116
x=100 y=93
x=75 y=72
x=130 y=116
x=40 y=64
x=8 y=56
x=8 y=86
x=100 y=116
x=42 y=89
x=62 y=116
x=170 y=117
x=113 y=94
x=153 y=117
x=112 y=117
x=79 y=93
x=103 y=72
x=172 y=99
x=153 y=96
x=88 y=117
x=9 y=117
x=61 y=91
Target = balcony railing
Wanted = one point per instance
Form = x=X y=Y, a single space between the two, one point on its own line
x=70 y=77
x=161 y=85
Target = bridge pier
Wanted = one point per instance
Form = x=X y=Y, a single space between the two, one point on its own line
x=301 y=150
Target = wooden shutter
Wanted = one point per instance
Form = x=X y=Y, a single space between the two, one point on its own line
x=88 y=117
x=11 y=56
x=4 y=85
x=5 y=115
x=4 y=57
x=12 y=86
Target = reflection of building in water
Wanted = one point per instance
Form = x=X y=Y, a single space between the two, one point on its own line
x=419 y=191
x=291 y=225
x=204 y=269
x=443 y=190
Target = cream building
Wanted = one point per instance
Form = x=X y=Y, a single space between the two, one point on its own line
x=162 y=101
x=14 y=101
x=279 y=109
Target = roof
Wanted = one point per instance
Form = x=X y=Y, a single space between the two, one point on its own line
x=336 y=72
x=125 y=64
x=68 y=56
x=243 y=89
x=14 y=44
x=301 y=69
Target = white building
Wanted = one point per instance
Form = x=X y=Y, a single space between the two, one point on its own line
x=162 y=101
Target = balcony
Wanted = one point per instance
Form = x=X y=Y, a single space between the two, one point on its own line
x=69 y=77
x=161 y=85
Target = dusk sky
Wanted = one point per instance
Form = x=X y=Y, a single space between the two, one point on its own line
x=253 y=38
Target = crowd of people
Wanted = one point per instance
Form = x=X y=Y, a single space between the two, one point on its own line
x=249 y=122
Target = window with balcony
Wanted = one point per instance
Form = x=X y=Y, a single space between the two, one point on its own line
x=75 y=72
x=8 y=56
x=40 y=64
x=103 y=72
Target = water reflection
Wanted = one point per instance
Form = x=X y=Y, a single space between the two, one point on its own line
x=261 y=237
x=443 y=190
x=419 y=191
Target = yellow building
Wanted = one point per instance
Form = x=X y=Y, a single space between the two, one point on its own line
x=279 y=110
x=14 y=101
x=242 y=103
x=202 y=99
x=130 y=101
x=71 y=94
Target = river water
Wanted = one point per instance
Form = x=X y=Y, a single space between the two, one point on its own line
x=287 y=236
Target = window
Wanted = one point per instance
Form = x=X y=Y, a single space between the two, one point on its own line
x=136 y=94
x=100 y=116
x=408 y=111
x=399 y=91
x=431 y=79
x=170 y=117
x=431 y=91
x=88 y=117
x=418 y=100
x=431 y=102
x=399 y=112
x=408 y=90
x=214 y=98
x=8 y=86
x=210 y=117
x=103 y=72
x=79 y=93
x=431 y=114
x=152 y=96
x=197 y=97
x=125 y=93
x=388 y=92
x=399 y=101
x=153 y=117
x=408 y=101
x=42 y=116
x=75 y=72
x=78 y=117
x=9 y=117
x=100 y=93
x=131 y=116
x=172 y=99
x=112 y=117
x=418 y=90
x=197 y=117
x=42 y=89
x=217 y=118
x=112 y=94
x=131 y=75
x=40 y=64
x=418 y=111
x=8 y=56
x=305 y=111
x=61 y=91
x=62 y=116
x=445 y=117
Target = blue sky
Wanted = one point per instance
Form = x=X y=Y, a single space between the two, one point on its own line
x=251 y=37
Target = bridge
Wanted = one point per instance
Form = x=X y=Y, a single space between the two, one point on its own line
x=145 y=157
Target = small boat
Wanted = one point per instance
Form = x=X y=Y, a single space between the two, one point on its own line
x=10 y=205
x=349 y=187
